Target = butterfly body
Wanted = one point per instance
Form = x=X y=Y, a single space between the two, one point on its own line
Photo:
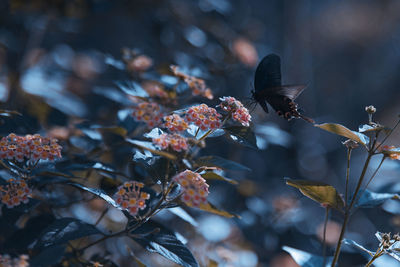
x=269 y=89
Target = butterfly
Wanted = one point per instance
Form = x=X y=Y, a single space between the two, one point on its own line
x=268 y=88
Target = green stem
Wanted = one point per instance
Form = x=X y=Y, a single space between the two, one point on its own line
x=386 y=137
x=373 y=175
x=348 y=209
x=377 y=255
x=347 y=176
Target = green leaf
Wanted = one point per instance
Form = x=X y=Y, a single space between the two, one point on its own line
x=9 y=113
x=49 y=256
x=356 y=245
x=221 y=162
x=343 y=131
x=212 y=209
x=372 y=128
x=181 y=213
x=215 y=176
x=320 y=192
x=243 y=135
x=305 y=259
x=371 y=199
x=156 y=238
x=98 y=192
x=63 y=230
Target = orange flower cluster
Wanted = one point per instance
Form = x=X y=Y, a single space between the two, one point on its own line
x=175 y=123
x=154 y=89
x=390 y=151
x=236 y=108
x=175 y=141
x=198 y=86
x=130 y=197
x=31 y=147
x=148 y=112
x=204 y=117
x=15 y=193
x=195 y=188
x=7 y=261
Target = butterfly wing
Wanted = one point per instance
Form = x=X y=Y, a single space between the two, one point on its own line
x=268 y=73
x=291 y=91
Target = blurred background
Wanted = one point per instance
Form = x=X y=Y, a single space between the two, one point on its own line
x=59 y=64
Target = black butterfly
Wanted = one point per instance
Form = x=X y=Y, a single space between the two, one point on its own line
x=268 y=88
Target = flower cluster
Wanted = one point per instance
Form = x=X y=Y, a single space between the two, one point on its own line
x=236 y=108
x=391 y=152
x=175 y=141
x=7 y=261
x=130 y=197
x=175 y=123
x=198 y=86
x=204 y=117
x=148 y=112
x=31 y=147
x=195 y=188
x=15 y=193
x=154 y=89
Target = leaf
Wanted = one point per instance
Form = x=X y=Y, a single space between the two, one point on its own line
x=221 y=162
x=343 y=131
x=99 y=193
x=371 y=199
x=320 y=192
x=215 y=176
x=164 y=242
x=372 y=128
x=48 y=257
x=355 y=244
x=181 y=213
x=63 y=230
x=9 y=113
x=149 y=147
x=212 y=209
x=243 y=135
x=305 y=259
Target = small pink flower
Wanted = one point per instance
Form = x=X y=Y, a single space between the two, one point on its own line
x=204 y=117
x=198 y=86
x=175 y=141
x=175 y=123
x=195 y=188
x=236 y=108
x=130 y=197
x=7 y=261
x=148 y=112
x=15 y=193
x=28 y=147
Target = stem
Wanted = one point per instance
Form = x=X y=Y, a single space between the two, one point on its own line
x=387 y=136
x=377 y=255
x=348 y=209
x=373 y=175
x=347 y=176
x=324 y=238
x=205 y=135
x=197 y=132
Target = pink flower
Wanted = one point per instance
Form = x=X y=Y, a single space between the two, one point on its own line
x=15 y=193
x=198 y=86
x=30 y=147
x=175 y=123
x=130 y=197
x=236 y=108
x=204 y=117
x=148 y=112
x=175 y=141
x=195 y=188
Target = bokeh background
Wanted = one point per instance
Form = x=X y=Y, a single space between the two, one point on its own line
x=62 y=55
